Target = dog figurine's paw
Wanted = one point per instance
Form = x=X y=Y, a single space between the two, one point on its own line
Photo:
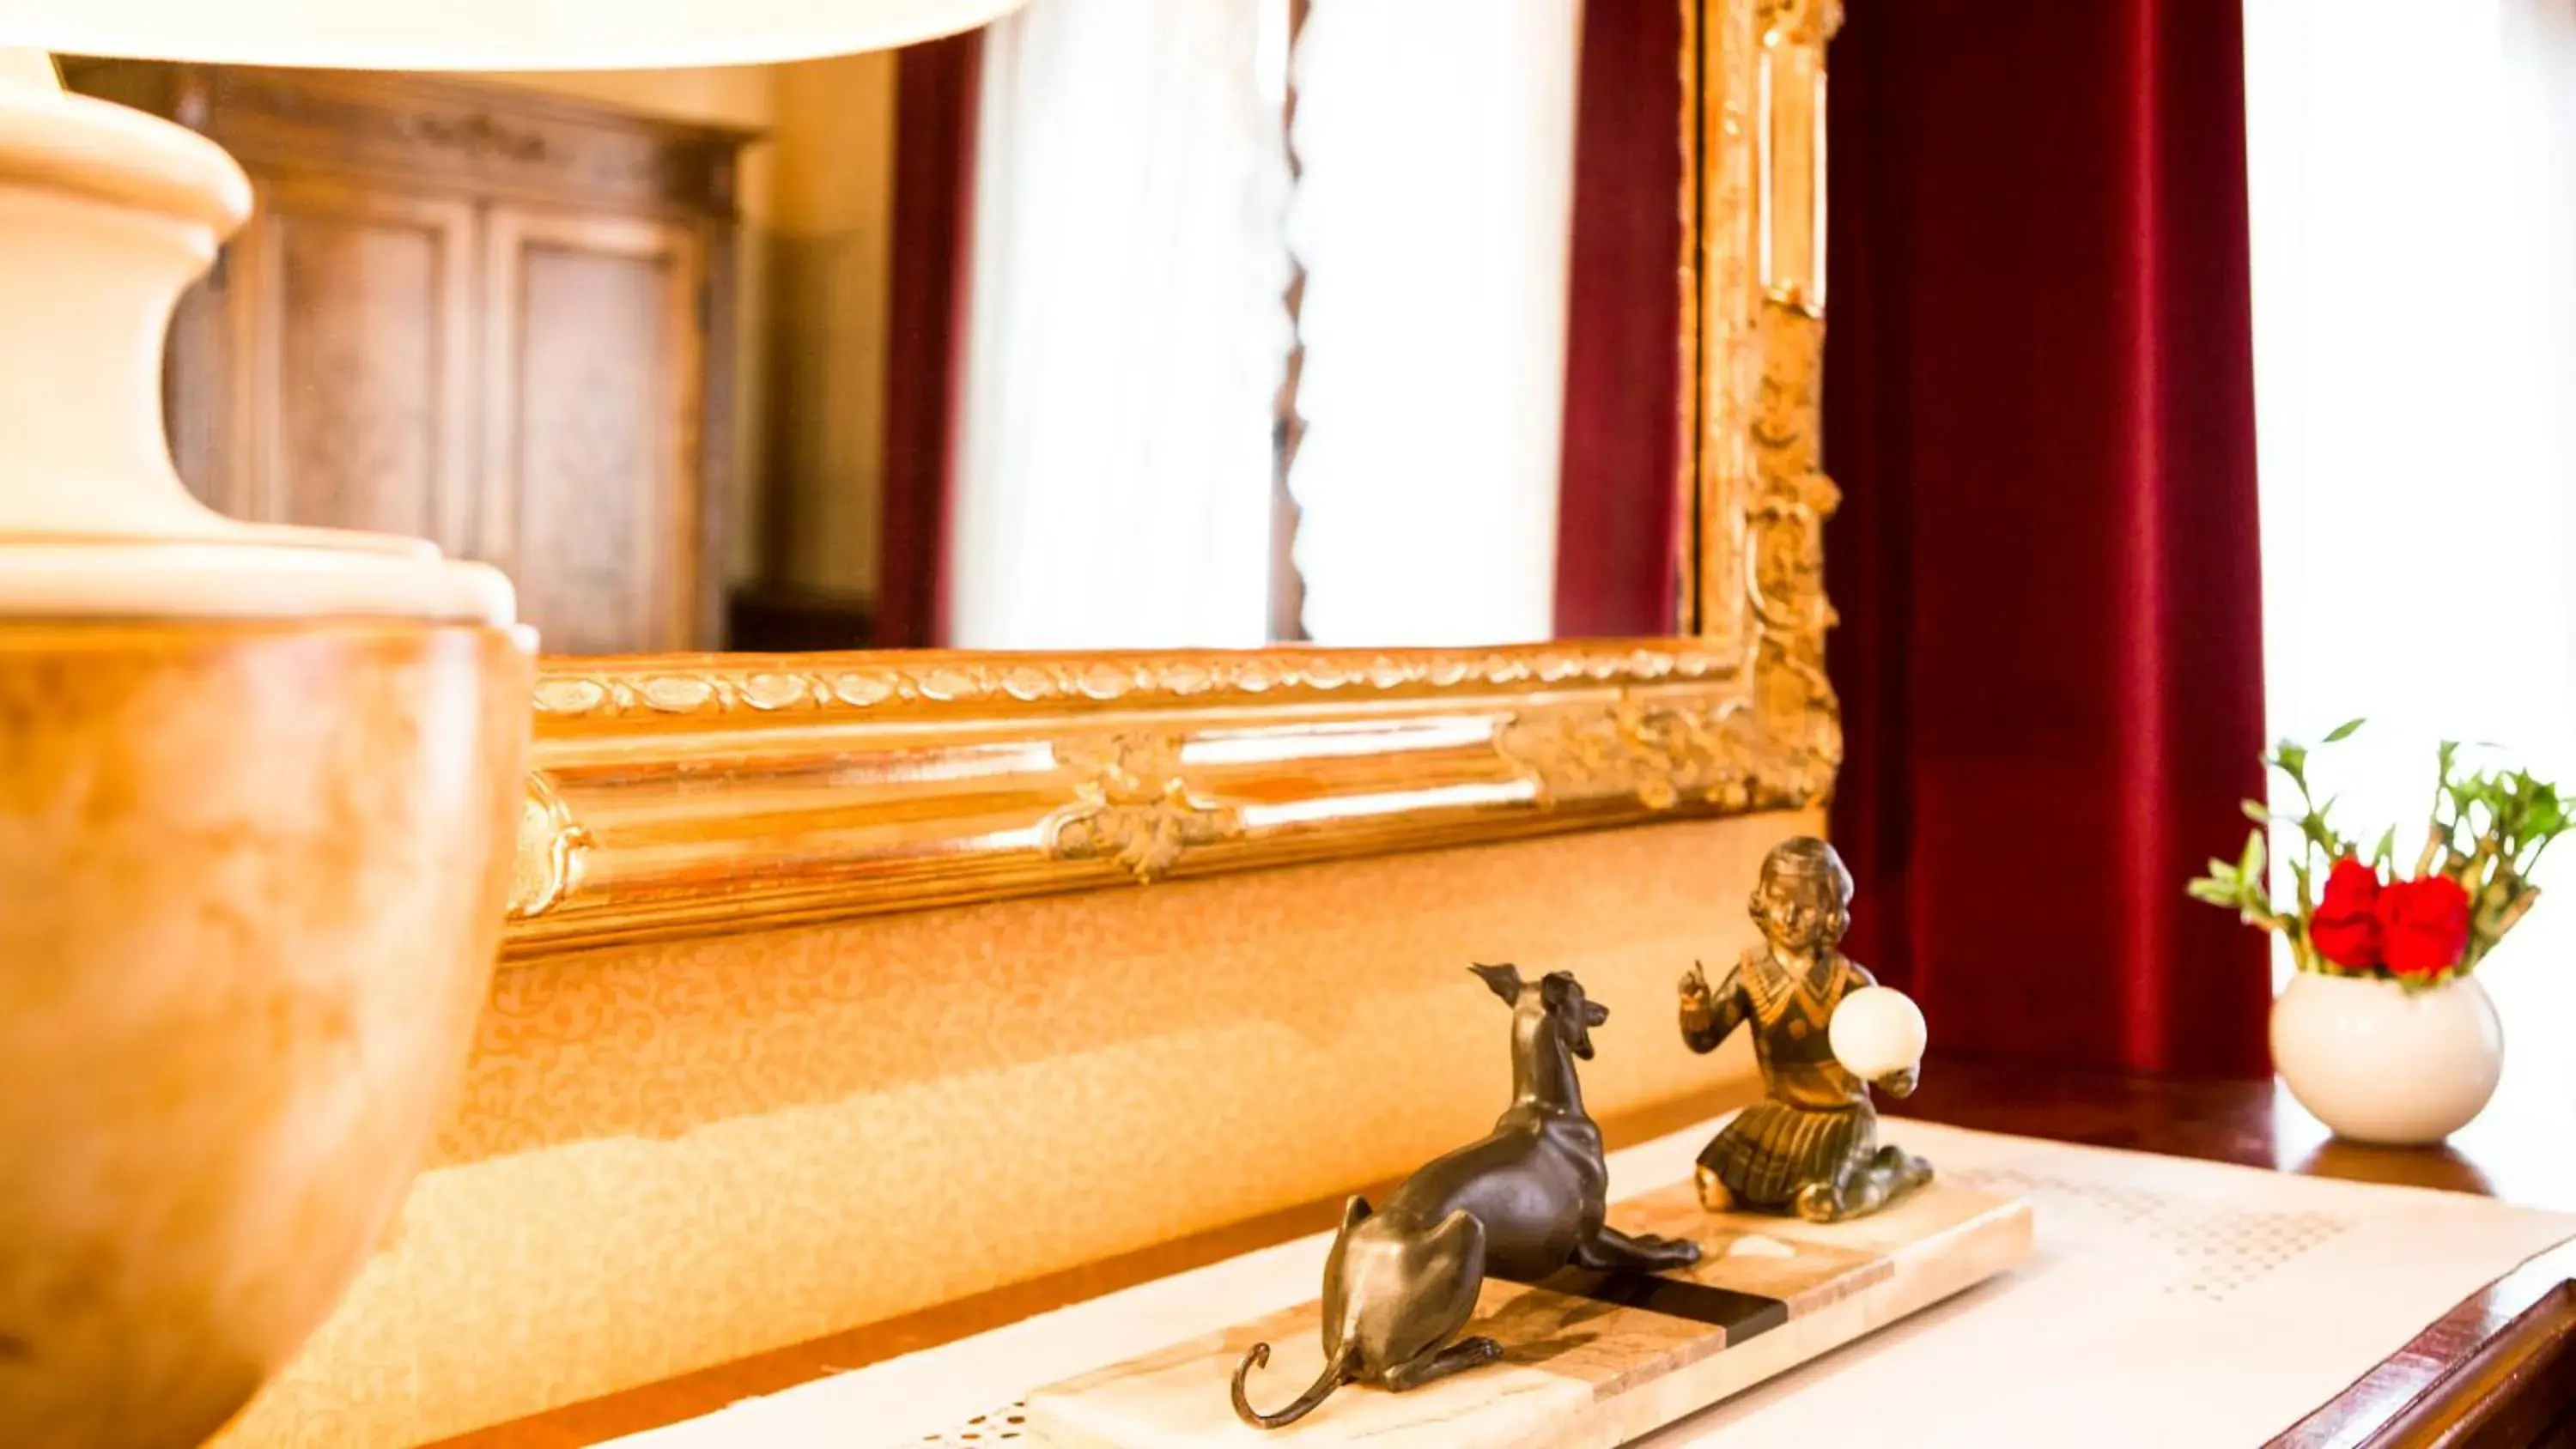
x=1666 y=1252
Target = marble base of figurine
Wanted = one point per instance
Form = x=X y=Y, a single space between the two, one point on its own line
x=1590 y=1360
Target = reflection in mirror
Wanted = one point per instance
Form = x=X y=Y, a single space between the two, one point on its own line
x=1272 y=326
x=1117 y=324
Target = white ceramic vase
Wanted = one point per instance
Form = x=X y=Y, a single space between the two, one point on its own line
x=2380 y=1064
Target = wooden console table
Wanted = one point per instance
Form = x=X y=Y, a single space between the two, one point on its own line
x=2499 y=1370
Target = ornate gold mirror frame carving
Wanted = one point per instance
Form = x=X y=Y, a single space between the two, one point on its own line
x=690 y=793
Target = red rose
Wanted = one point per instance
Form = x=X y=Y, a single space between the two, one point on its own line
x=2424 y=925
x=2346 y=927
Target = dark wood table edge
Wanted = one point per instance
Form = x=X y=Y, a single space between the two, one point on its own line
x=2467 y=1380
x=2497 y=1370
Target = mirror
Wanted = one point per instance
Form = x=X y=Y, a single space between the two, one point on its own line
x=1114 y=326
x=676 y=795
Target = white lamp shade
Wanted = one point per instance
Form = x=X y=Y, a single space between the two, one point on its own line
x=489 y=35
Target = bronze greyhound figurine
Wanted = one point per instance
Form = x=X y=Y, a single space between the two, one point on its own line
x=1521 y=1204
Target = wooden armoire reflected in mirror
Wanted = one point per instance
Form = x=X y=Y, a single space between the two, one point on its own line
x=481 y=316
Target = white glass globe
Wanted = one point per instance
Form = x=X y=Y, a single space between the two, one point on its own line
x=1877 y=1030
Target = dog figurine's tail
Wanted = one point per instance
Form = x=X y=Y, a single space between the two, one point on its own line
x=1337 y=1372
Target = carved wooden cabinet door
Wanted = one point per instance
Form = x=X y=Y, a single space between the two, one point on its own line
x=474 y=314
x=593 y=392
x=324 y=375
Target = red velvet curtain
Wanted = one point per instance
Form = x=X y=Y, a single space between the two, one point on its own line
x=1617 y=527
x=2039 y=402
x=934 y=193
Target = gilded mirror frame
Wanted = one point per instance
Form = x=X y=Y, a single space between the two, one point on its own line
x=686 y=794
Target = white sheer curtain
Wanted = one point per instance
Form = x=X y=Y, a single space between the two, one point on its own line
x=2413 y=186
x=1127 y=331
x=1436 y=140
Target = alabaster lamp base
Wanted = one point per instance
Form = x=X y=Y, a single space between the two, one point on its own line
x=258 y=784
x=251 y=880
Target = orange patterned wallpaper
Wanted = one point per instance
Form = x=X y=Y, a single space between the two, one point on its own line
x=675 y=1155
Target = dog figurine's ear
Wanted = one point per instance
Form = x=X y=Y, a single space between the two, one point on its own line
x=1505 y=979
x=1552 y=988
x=1556 y=986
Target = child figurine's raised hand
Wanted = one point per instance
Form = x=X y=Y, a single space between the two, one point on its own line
x=1699 y=1008
x=1812 y=1146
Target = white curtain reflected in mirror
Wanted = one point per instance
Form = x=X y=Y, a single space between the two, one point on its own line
x=1433 y=219
x=1127 y=326
x=1128 y=322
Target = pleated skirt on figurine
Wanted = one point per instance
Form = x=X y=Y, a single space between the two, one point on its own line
x=1772 y=1149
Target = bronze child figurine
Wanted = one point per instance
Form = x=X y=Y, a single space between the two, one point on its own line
x=1811 y=1147
x=1522 y=1203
